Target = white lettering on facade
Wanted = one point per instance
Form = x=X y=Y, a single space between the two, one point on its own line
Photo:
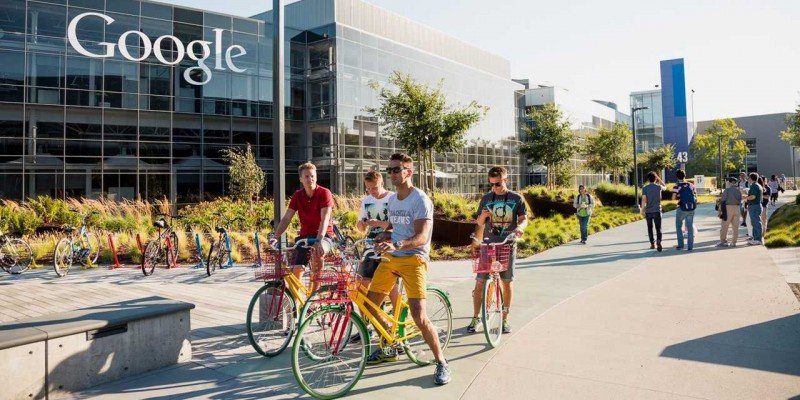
x=189 y=50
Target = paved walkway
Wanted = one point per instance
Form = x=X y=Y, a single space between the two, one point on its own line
x=607 y=320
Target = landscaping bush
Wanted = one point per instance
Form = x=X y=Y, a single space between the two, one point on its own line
x=455 y=207
x=615 y=194
x=543 y=202
x=784 y=227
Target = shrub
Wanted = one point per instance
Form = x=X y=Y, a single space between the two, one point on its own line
x=784 y=227
x=543 y=202
x=455 y=207
x=615 y=194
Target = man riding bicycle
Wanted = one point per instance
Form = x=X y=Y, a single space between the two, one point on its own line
x=501 y=212
x=406 y=255
x=314 y=206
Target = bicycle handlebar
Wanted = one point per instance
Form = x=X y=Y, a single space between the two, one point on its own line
x=302 y=243
x=510 y=238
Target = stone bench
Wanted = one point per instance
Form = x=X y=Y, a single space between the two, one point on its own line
x=52 y=355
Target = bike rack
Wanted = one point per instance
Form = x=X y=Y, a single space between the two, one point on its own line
x=114 y=252
x=199 y=249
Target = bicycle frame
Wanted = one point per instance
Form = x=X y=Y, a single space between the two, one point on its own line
x=359 y=298
x=164 y=239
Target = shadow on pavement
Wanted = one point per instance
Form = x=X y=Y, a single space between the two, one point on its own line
x=772 y=346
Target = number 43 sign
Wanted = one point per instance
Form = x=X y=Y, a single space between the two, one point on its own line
x=683 y=156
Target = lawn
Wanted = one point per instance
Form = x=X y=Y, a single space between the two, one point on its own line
x=783 y=228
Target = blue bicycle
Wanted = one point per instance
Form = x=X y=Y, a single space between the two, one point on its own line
x=80 y=245
x=219 y=255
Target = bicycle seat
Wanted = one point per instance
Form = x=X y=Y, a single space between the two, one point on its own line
x=160 y=224
x=220 y=229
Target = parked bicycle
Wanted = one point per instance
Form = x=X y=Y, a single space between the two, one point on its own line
x=80 y=245
x=15 y=254
x=332 y=355
x=219 y=255
x=492 y=258
x=164 y=248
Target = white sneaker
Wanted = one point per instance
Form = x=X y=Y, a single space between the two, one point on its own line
x=722 y=244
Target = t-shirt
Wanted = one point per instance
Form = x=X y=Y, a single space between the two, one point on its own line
x=506 y=209
x=402 y=214
x=374 y=208
x=757 y=191
x=743 y=184
x=308 y=210
x=653 y=193
x=773 y=186
x=583 y=199
x=731 y=196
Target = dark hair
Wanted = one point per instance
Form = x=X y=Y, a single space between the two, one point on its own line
x=402 y=157
x=651 y=176
x=774 y=177
x=498 y=171
x=373 y=176
x=680 y=174
x=762 y=181
x=581 y=187
x=753 y=176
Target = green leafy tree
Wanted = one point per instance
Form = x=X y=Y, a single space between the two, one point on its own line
x=548 y=140
x=792 y=133
x=610 y=150
x=247 y=179
x=722 y=137
x=419 y=118
x=659 y=158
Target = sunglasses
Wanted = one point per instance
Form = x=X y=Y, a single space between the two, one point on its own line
x=395 y=170
x=496 y=184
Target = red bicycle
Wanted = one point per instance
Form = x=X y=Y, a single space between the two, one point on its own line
x=492 y=259
x=164 y=248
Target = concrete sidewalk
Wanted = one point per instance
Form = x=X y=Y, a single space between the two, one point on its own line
x=610 y=319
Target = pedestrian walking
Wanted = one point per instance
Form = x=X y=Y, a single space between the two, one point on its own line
x=686 y=194
x=762 y=180
x=774 y=187
x=744 y=185
x=651 y=208
x=729 y=204
x=584 y=204
x=754 y=195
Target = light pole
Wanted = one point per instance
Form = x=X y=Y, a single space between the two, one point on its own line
x=635 y=166
x=278 y=124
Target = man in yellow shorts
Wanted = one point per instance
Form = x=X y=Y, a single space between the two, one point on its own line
x=411 y=218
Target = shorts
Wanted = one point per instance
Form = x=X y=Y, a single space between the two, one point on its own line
x=412 y=269
x=507 y=275
x=303 y=254
x=368 y=266
x=774 y=196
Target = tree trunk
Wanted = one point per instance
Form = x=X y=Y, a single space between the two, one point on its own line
x=421 y=165
x=432 y=172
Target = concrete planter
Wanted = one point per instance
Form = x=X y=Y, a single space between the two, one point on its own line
x=453 y=233
x=542 y=207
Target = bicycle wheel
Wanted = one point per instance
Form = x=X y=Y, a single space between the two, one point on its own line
x=492 y=311
x=216 y=257
x=17 y=256
x=93 y=245
x=173 y=238
x=152 y=255
x=311 y=306
x=270 y=319
x=344 y=361
x=437 y=307
x=62 y=257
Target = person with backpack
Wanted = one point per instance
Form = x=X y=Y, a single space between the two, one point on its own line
x=651 y=207
x=584 y=204
x=686 y=195
x=730 y=201
x=754 y=208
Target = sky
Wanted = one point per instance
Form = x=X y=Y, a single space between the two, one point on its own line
x=742 y=57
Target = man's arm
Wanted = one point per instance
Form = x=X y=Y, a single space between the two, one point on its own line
x=522 y=222
x=284 y=223
x=325 y=214
x=644 y=201
x=421 y=229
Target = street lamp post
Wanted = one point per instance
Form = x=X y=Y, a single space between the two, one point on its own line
x=635 y=166
x=278 y=124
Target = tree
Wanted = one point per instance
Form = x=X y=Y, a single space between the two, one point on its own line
x=659 y=158
x=246 y=177
x=420 y=120
x=792 y=133
x=610 y=150
x=721 y=139
x=548 y=140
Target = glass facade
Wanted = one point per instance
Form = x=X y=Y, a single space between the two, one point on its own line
x=649 y=122
x=130 y=121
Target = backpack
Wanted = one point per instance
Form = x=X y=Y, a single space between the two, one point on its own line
x=687 y=199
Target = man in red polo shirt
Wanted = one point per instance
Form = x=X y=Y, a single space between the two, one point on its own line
x=314 y=206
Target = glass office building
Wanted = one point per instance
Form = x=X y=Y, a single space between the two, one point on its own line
x=649 y=122
x=133 y=99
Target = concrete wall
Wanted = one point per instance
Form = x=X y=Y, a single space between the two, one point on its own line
x=773 y=154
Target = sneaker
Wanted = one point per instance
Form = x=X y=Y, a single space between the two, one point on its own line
x=722 y=244
x=689 y=249
x=678 y=247
x=754 y=242
x=473 y=325
x=506 y=327
x=442 y=374
x=658 y=247
x=386 y=354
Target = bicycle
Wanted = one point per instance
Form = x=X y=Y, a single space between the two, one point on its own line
x=328 y=362
x=219 y=255
x=284 y=298
x=492 y=258
x=15 y=254
x=80 y=245
x=164 y=248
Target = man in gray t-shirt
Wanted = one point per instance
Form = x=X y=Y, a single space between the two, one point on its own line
x=403 y=213
x=651 y=208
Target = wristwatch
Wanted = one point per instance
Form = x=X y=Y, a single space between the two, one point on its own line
x=398 y=244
